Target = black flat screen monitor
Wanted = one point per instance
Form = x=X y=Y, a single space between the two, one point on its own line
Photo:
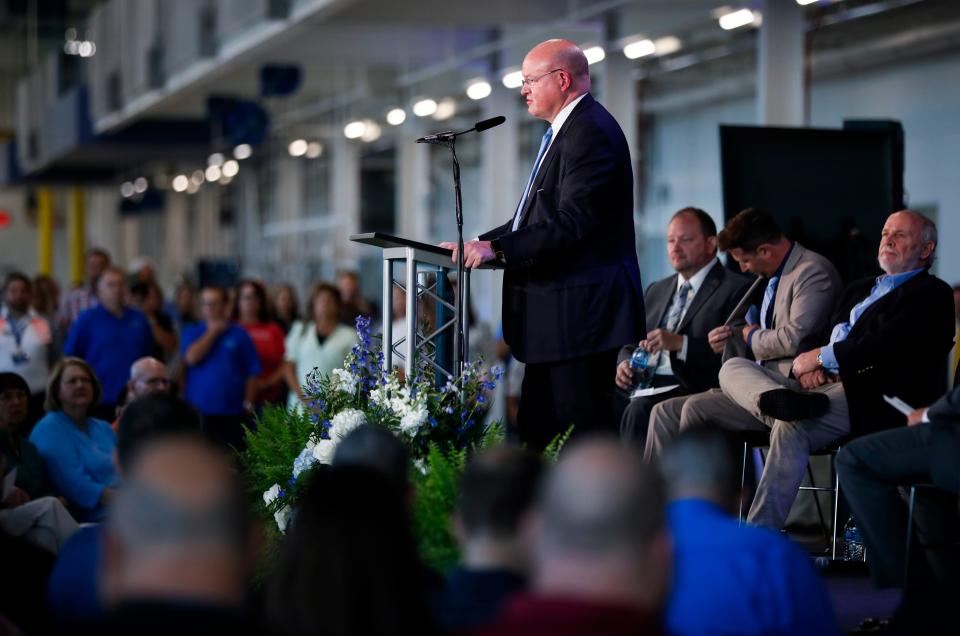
x=829 y=189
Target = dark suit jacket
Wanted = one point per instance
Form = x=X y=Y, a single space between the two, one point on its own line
x=717 y=297
x=572 y=283
x=897 y=347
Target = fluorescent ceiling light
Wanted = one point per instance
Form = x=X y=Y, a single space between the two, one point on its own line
x=396 y=116
x=297 y=147
x=513 y=79
x=424 y=107
x=736 y=19
x=478 y=89
x=594 y=54
x=638 y=49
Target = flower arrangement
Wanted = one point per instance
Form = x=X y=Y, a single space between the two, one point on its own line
x=427 y=418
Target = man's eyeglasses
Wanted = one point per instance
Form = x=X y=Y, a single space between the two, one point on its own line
x=533 y=80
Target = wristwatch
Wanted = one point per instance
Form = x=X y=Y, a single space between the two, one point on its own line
x=819 y=359
x=497 y=250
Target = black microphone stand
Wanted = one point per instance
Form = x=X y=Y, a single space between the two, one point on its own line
x=448 y=139
x=460 y=302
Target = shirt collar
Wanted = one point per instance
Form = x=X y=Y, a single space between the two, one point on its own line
x=697 y=279
x=894 y=280
x=5 y=311
x=786 y=257
x=562 y=116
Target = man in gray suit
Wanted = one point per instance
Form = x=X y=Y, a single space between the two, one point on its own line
x=683 y=309
x=802 y=289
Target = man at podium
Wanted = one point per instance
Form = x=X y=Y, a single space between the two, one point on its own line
x=571 y=288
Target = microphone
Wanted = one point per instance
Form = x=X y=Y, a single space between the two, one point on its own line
x=448 y=135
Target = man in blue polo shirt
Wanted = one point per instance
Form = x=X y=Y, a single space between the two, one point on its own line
x=110 y=337
x=728 y=578
x=222 y=365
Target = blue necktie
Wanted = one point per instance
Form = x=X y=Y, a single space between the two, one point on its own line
x=533 y=173
x=766 y=309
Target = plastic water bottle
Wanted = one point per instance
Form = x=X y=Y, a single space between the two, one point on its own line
x=643 y=365
x=852 y=543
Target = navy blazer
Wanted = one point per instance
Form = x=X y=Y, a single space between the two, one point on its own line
x=717 y=297
x=898 y=347
x=571 y=285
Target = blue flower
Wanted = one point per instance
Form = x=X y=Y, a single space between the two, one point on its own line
x=481 y=398
x=433 y=422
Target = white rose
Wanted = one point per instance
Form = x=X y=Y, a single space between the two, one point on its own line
x=345 y=421
x=282 y=517
x=413 y=420
x=270 y=495
x=323 y=451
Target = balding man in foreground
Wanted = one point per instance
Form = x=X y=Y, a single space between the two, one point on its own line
x=890 y=336
x=602 y=555
x=179 y=544
x=571 y=290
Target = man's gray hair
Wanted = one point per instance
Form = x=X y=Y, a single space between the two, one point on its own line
x=145 y=519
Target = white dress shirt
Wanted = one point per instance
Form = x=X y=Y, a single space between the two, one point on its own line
x=696 y=281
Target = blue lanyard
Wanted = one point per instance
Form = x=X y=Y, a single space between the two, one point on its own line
x=15 y=330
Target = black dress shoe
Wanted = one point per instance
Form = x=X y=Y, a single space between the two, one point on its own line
x=789 y=405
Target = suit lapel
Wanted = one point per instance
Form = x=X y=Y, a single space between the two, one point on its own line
x=551 y=155
x=664 y=301
x=707 y=288
x=781 y=303
x=892 y=297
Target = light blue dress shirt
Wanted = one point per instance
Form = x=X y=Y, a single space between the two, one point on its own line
x=885 y=284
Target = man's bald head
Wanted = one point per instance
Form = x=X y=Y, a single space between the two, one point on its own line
x=601 y=525
x=555 y=73
x=599 y=500
x=147 y=376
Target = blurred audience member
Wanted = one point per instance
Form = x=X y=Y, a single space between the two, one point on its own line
x=375 y=448
x=110 y=336
x=74 y=588
x=147 y=377
x=84 y=297
x=286 y=307
x=19 y=452
x=46 y=297
x=43 y=522
x=179 y=545
x=353 y=303
x=320 y=344
x=184 y=302
x=731 y=578
x=497 y=492
x=222 y=366
x=148 y=298
x=25 y=571
x=26 y=341
x=348 y=564
x=76 y=448
x=955 y=358
x=253 y=314
x=602 y=555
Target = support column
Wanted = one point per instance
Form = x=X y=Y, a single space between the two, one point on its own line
x=78 y=238
x=781 y=92
x=45 y=230
x=413 y=181
x=620 y=98
x=345 y=197
x=498 y=192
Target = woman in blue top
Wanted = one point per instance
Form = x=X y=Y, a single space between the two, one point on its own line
x=77 y=450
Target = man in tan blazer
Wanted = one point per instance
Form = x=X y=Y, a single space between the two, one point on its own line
x=790 y=317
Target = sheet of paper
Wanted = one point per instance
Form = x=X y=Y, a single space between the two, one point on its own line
x=653 y=391
x=899 y=404
x=9 y=480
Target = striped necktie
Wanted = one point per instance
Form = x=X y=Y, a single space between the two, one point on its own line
x=674 y=314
